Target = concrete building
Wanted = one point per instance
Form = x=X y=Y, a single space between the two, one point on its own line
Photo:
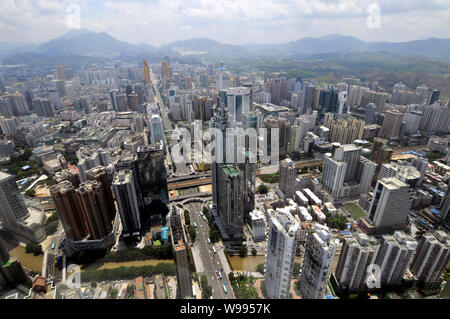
x=431 y=257
x=156 y=129
x=69 y=210
x=317 y=262
x=333 y=176
x=288 y=174
x=181 y=253
x=390 y=204
x=393 y=257
x=356 y=255
x=43 y=107
x=127 y=202
x=283 y=230
x=391 y=124
x=258 y=225
x=238 y=103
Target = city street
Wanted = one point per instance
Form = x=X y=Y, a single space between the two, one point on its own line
x=210 y=259
x=182 y=169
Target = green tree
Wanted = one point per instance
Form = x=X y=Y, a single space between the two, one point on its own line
x=113 y=292
x=30 y=193
x=254 y=252
x=262 y=189
x=243 y=251
x=206 y=289
x=260 y=268
x=187 y=218
x=296 y=270
x=192 y=233
x=93 y=284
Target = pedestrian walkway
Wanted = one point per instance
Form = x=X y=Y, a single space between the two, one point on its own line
x=199 y=267
x=223 y=259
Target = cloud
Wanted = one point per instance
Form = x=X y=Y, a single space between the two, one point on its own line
x=230 y=21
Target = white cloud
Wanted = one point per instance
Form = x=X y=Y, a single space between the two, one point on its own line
x=229 y=21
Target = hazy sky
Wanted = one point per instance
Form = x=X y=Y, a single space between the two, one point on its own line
x=228 y=21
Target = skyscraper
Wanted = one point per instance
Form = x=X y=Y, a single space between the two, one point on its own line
x=95 y=210
x=279 y=264
x=317 y=262
x=222 y=78
x=181 y=253
x=390 y=206
x=156 y=129
x=147 y=77
x=333 y=176
x=100 y=175
x=370 y=113
x=391 y=124
x=445 y=206
x=350 y=154
x=356 y=255
x=431 y=257
x=288 y=174
x=394 y=255
x=127 y=202
x=43 y=107
x=238 y=102
x=434 y=97
x=69 y=210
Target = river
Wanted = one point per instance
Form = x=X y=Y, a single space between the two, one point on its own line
x=249 y=263
x=28 y=261
x=136 y=263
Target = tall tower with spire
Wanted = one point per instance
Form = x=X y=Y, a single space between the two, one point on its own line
x=148 y=80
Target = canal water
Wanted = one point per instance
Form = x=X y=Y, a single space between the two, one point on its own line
x=249 y=263
x=28 y=261
x=136 y=263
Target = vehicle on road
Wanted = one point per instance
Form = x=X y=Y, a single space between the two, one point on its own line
x=225 y=288
x=219 y=273
x=53 y=246
x=195 y=224
x=214 y=249
x=209 y=241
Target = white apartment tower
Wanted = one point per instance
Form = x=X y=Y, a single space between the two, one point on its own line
x=317 y=263
x=283 y=229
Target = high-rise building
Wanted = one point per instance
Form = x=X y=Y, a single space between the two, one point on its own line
x=344 y=131
x=391 y=124
x=356 y=255
x=391 y=204
x=402 y=170
x=435 y=118
x=445 y=206
x=333 y=176
x=100 y=175
x=18 y=104
x=69 y=210
x=147 y=77
x=43 y=107
x=370 y=113
x=350 y=154
x=95 y=210
x=181 y=253
x=393 y=257
x=434 y=97
x=238 y=103
x=222 y=78
x=4 y=254
x=127 y=202
x=152 y=174
x=366 y=172
x=412 y=121
x=432 y=256
x=279 y=264
x=317 y=262
x=156 y=129
x=60 y=72
x=328 y=100
x=288 y=174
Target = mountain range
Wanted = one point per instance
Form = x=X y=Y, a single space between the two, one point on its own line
x=87 y=43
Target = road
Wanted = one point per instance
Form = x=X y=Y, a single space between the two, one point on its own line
x=182 y=169
x=211 y=260
x=52 y=269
